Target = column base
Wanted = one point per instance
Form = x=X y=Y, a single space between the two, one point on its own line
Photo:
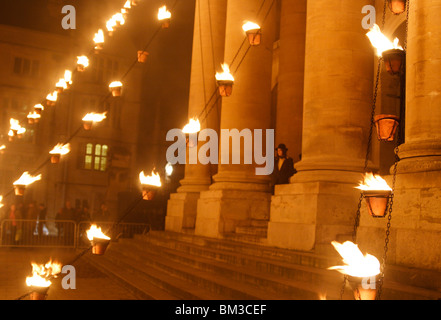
x=221 y=211
x=308 y=215
x=181 y=211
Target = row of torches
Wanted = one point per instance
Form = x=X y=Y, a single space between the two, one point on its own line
x=375 y=189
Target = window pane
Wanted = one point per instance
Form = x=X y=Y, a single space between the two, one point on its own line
x=104 y=151
x=88 y=162
x=103 y=164
x=89 y=148
x=97 y=163
x=98 y=150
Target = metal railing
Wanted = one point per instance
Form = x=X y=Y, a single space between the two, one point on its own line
x=61 y=233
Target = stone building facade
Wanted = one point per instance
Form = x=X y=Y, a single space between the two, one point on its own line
x=312 y=80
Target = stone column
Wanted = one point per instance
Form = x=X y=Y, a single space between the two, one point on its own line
x=415 y=239
x=290 y=78
x=238 y=194
x=320 y=203
x=207 y=56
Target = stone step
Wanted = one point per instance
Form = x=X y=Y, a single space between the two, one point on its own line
x=221 y=275
x=217 y=284
x=148 y=279
x=254 y=231
x=396 y=284
x=251 y=249
x=275 y=277
x=259 y=223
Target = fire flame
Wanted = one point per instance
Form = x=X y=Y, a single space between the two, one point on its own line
x=39 y=106
x=33 y=115
x=68 y=76
x=225 y=75
x=163 y=13
x=248 y=25
x=3 y=147
x=83 y=60
x=128 y=4
x=61 y=84
x=115 y=84
x=373 y=182
x=52 y=96
x=99 y=37
x=152 y=180
x=60 y=149
x=193 y=126
x=95 y=232
x=110 y=24
x=95 y=117
x=119 y=18
x=26 y=179
x=41 y=273
x=380 y=41
x=357 y=265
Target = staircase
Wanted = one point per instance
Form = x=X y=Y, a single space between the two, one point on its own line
x=177 y=266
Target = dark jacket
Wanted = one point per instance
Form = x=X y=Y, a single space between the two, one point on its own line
x=286 y=171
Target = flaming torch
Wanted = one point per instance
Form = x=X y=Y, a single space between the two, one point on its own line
x=82 y=63
x=99 y=40
x=377 y=194
x=2 y=151
x=91 y=118
x=98 y=239
x=61 y=85
x=68 y=78
x=150 y=185
x=25 y=180
x=253 y=32
x=33 y=117
x=16 y=130
x=1 y=204
x=39 y=282
x=164 y=16
x=393 y=54
x=38 y=108
x=359 y=268
x=110 y=24
x=116 y=88
x=193 y=126
x=225 y=81
x=119 y=19
x=58 y=151
x=51 y=99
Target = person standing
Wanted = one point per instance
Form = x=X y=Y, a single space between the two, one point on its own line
x=42 y=212
x=283 y=166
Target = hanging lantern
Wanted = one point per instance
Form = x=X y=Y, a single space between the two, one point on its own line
x=58 y=151
x=150 y=185
x=61 y=85
x=116 y=88
x=225 y=81
x=68 y=78
x=82 y=63
x=386 y=126
x=98 y=239
x=51 y=99
x=25 y=180
x=38 y=108
x=39 y=281
x=253 y=32
x=397 y=6
x=142 y=56
x=33 y=117
x=361 y=270
x=99 y=40
x=376 y=193
x=394 y=60
x=164 y=16
x=91 y=118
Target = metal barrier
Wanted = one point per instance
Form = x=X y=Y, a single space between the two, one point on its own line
x=61 y=233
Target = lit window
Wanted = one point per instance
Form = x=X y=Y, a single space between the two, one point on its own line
x=96 y=157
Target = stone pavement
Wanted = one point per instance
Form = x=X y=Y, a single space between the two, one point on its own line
x=91 y=284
